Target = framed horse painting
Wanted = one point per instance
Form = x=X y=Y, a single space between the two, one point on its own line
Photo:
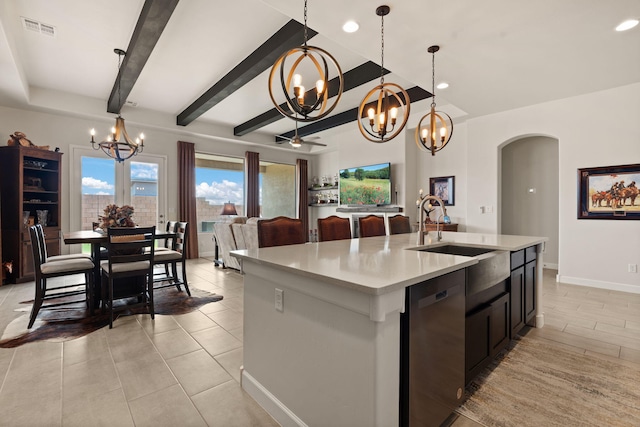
x=609 y=192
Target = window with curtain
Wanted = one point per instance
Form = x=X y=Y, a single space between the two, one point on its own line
x=219 y=180
x=277 y=190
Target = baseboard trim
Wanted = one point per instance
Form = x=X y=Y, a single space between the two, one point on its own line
x=550 y=266
x=269 y=402
x=598 y=284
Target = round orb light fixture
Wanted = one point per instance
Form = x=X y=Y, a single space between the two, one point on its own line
x=305 y=105
x=381 y=108
x=436 y=127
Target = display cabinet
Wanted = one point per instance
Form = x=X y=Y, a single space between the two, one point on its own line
x=32 y=197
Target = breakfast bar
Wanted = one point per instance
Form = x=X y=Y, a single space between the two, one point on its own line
x=322 y=321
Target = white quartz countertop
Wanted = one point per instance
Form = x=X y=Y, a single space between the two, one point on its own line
x=378 y=265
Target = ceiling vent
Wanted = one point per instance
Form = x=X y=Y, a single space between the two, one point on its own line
x=131 y=103
x=38 y=27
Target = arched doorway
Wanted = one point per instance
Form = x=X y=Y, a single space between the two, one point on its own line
x=530 y=191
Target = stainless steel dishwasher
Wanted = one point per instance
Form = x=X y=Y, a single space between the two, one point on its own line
x=432 y=354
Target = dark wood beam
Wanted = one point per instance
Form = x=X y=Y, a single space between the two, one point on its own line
x=151 y=22
x=353 y=78
x=416 y=94
x=289 y=36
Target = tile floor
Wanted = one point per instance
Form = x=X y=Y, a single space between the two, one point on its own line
x=185 y=370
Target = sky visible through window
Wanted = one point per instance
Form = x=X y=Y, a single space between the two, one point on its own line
x=98 y=175
x=219 y=186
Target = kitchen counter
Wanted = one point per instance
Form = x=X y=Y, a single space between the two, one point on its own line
x=322 y=322
x=378 y=265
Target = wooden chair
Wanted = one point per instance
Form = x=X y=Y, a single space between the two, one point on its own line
x=280 y=231
x=168 y=241
x=172 y=256
x=399 y=224
x=45 y=270
x=43 y=249
x=130 y=254
x=371 y=225
x=333 y=228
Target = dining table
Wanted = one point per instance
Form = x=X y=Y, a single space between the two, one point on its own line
x=97 y=240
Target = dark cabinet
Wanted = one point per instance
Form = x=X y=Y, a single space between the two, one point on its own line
x=487 y=332
x=34 y=191
x=529 y=290
x=517 y=293
x=522 y=288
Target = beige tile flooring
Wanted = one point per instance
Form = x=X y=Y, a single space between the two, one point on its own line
x=184 y=370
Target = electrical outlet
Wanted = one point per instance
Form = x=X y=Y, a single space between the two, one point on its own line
x=279 y=299
x=633 y=268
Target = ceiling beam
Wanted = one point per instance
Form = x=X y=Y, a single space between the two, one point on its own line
x=289 y=36
x=151 y=22
x=353 y=78
x=415 y=93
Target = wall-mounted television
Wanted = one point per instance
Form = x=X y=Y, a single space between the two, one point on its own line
x=366 y=185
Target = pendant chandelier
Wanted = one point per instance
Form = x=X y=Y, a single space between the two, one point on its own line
x=379 y=110
x=112 y=146
x=436 y=127
x=311 y=105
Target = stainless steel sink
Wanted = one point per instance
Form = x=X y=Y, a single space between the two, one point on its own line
x=492 y=268
x=457 y=250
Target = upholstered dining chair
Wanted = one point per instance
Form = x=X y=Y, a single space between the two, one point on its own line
x=399 y=224
x=43 y=248
x=280 y=231
x=333 y=228
x=171 y=257
x=130 y=254
x=62 y=293
x=371 y=225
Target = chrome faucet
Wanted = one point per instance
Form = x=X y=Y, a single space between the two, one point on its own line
x=421 y=219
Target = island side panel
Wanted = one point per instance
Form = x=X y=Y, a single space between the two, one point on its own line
x=318 y=362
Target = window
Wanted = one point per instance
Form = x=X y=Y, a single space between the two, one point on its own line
x=277 y=190
x=219 y=180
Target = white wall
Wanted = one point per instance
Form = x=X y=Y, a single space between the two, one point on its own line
x=529 y=192
x=598 y=129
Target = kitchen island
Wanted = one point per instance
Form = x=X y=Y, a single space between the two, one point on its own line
x=322 y=322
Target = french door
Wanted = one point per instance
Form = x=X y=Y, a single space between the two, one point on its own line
x=97 y=181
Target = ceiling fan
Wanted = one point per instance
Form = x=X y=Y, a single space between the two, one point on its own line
x=297 y=141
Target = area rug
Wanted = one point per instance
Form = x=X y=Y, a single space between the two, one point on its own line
x=73 y=321
x=538 y=384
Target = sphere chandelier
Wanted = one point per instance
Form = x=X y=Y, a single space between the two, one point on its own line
x=379 y=110
x=311 y=105
x=436 y=127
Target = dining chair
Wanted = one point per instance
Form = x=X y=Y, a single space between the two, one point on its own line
x=333 y=228
x=63 y=293
x=130 y=254
x=171 y=257
x=371 y=225
x=399 y=224
x=280 y=231
x=43 y=248
x=168 y=241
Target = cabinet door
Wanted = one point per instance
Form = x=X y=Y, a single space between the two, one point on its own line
x=517 y=300
x=529 y=290
x=499 y=334
x=26 y=258
x=477 y=342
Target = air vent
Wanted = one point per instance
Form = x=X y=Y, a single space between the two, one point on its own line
x=131 y=103
x=38 y=27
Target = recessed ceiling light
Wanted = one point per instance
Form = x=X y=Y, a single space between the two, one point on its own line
x=442 y=85
x=350 y=27
x=627 y=25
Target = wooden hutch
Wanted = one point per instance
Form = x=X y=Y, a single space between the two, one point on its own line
x=31 y=181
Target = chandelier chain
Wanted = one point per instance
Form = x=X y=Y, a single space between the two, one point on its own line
x=305 y=23
x=433 y=79
x=382 y=50
x=119 y=84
